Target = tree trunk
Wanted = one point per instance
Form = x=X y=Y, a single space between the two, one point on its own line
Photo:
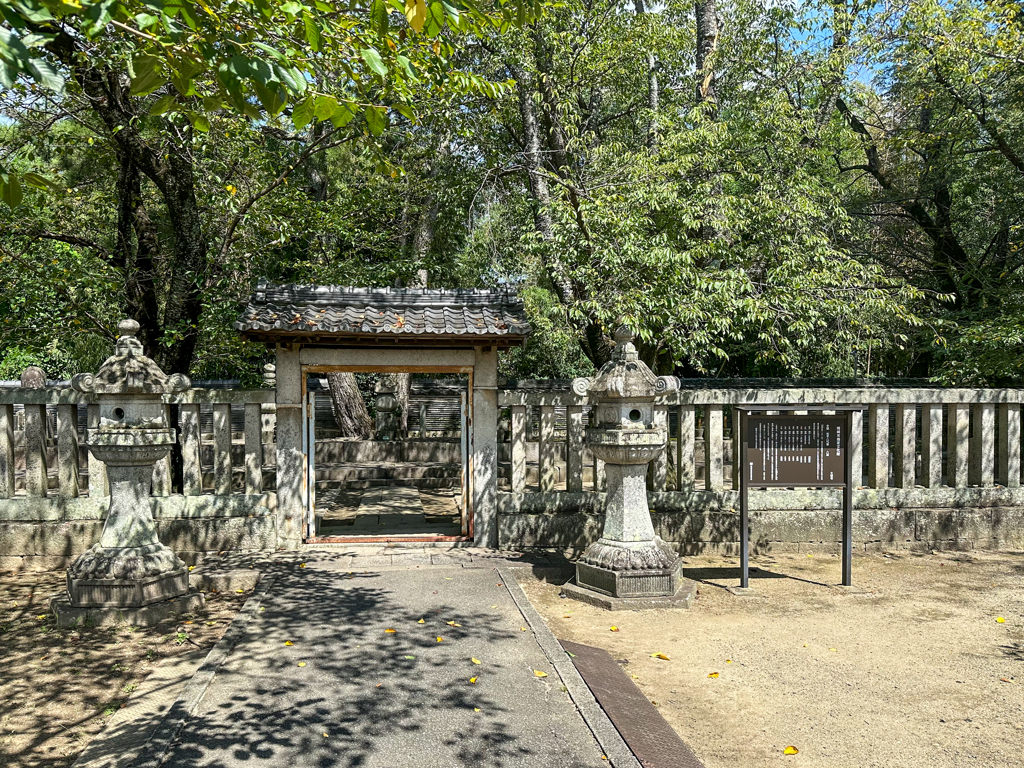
x=557 y=273
x=350 y=412
x=653 y=90
x=707 y=97
x=707 y=43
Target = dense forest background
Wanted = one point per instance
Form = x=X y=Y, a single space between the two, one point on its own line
x=818 y=188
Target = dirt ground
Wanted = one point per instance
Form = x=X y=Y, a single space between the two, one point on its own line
x=918 y=673
x=58 y=687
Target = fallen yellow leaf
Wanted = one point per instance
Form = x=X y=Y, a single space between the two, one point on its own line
x=538 y=673
x=1000 y=620
x=302 y=663
x=302 y=565
x=240 y=591
x=389 y=631
x=475 y=661
x=288 y=642
x=522 y=629
x=452 y=624
x=833 y=650
x=440 y=639
x=421 y=621
x=791 y=750
x=728 y=661
x=660 y=656
x=713 y=674
x=614 y=629
x=476 y=709
x=325 y=735
x=472 y=680
x=566 y=615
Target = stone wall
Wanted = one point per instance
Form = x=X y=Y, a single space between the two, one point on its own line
x=781 y=520
x=46 y=534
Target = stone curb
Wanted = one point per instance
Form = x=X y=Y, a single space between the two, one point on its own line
x=615 y=749
x=159 y=745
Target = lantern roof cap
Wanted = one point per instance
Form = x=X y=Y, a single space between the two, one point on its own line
x=625 y=376
x=128 y=371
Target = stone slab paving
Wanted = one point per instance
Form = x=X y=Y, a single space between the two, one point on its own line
x=366 y=697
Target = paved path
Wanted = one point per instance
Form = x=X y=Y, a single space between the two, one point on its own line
x=374 y=699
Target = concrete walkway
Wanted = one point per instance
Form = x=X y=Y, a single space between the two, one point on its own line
x=316 y=678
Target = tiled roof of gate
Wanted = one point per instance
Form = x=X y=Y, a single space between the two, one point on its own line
x=277 y=312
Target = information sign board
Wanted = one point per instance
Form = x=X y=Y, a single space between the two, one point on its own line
x=785 y=450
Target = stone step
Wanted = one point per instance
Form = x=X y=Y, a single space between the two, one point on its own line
x=383 y=471
x=417 y=482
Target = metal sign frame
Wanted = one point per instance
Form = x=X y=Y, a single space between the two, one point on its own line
x=815 y=414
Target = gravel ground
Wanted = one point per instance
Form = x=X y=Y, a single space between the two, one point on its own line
x=59 y=687
x=918 y=672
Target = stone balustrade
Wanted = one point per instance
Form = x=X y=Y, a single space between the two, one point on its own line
x=919 y=449
x=53 y=492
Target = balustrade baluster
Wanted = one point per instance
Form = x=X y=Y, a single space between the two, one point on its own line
x=6 y=450
x=906 y=446
x=191 y=465
x=222 y=449
x=878 y=445
x=957 y=445
x=574 y=448
x=1009 y=444
x=253 y=449
x=35 y=450
x=98 y=485
x=931 y=445
x=714 y=451
x=546 y=448
x=686 y=471
x=67 y=450
x=519 y=448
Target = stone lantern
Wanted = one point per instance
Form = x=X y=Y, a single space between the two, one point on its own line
x=128 y=568
x=629 y=566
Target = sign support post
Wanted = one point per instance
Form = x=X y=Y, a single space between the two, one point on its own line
x=744 y=508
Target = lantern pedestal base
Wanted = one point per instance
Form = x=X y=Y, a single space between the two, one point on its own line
x=681 y=599
x=126 y=577
x=68 y=616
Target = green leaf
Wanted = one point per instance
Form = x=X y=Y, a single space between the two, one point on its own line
x=199 y=122
x=162 y=105
x=324 y=107
x=45 y=75
x=147 y=83
x=379 y=18
x=272 y=52
x=376 y=119
x=10 y=191
x=302 y=113
x=312 y=31
x=374 y=61
x=406 y=65
x=39 y=182
x=343 y=115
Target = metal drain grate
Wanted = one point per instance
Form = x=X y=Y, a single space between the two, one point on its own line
x=638 y=721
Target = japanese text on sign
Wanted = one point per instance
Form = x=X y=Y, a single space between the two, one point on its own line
x=795 y=451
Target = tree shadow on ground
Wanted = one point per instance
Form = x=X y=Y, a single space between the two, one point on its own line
x=363 y=697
